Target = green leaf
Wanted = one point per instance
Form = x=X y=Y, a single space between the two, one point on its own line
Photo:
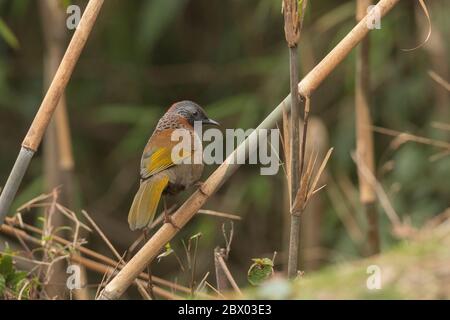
x=15 y=278
x=260 y=270
x=8 y=35
x=2 y=285
x=6 y=263
x=23 y=287
x=168 y=251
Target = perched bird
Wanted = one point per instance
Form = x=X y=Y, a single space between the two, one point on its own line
x=160 y=174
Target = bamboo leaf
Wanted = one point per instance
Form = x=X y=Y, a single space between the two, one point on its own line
x=7 y=35
x=319 y=172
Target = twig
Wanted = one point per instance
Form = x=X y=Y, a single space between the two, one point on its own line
x=344 y=212
x=382 y=196
x=214 y=289
x=90 y=264
x=444 y=83
x=221 y=279
x=142 y=291
x=100 y=257
x=102 y=235
x=228 y=239
x=149 y=269
x=193 y=267
x=404 y=137
x=115 y=252
x=440 y=125
x=72 y=216
x=34 y=261
x=201 y=285
x=220 y=214
x=227 y=272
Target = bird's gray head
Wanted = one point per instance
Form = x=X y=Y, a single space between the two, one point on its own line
x=192 y=112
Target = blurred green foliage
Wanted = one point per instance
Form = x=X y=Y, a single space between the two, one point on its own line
x=413 y=269
x=13 y=282
x=231 y=57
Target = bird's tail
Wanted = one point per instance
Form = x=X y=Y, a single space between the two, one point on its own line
x=146 y=201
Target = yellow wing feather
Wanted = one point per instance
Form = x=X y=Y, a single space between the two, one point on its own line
x=159 y=159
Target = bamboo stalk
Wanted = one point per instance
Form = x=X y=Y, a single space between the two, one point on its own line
x=364 y=134
x=58 y=159
x=102 y=269
x=117 y=286
x=42 y=119
x=293 y=21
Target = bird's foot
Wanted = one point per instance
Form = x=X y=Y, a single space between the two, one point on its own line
x=168 y=219
x=200 y=184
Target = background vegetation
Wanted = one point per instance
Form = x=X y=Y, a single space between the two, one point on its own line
x=231 y=57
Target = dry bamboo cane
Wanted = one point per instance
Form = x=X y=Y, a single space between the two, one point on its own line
x=42 y=119
x=91 y=264
x=364 y=135
x=95 y=255
x=293 y=22
x=57 y=143
x=117 y=286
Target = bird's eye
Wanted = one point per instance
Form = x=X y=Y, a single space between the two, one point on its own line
x=195 y=113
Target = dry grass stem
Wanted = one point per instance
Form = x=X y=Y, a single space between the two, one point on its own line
x=308 y=182
x=403 y=137
x=444 y=83
x=227 y=272
x=220 y=214
x=381 y=194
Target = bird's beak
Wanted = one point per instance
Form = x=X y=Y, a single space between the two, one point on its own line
x=211 y=122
